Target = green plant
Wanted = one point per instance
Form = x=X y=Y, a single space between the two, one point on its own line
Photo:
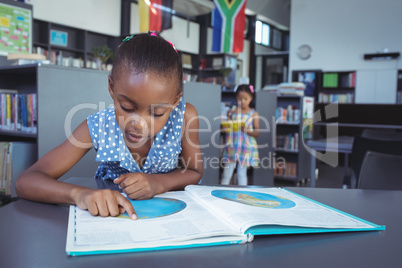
x=104 y=53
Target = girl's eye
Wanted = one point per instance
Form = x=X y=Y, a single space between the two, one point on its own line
x=158 y=115
x=126 y=109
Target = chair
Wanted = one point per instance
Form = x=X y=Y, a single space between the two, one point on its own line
x=382 y=134
x=381 y=171
x=360 y=147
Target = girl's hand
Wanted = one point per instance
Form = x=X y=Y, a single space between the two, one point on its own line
x=104 y=202
x=138 y=185
x=245 y=129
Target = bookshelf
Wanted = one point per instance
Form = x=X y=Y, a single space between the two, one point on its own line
x=219 y=69
x=291 y=157
x=68 y=46
x=337 y=87
x=65 y=97
x=191 y=65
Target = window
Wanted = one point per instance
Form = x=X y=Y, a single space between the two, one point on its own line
x=262 y=33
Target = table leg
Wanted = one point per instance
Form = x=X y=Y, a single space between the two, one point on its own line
x=346 y=172
x=312 y=172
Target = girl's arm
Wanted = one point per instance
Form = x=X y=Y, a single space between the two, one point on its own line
x=39 y=182
x=255 y=132
x=144 y=186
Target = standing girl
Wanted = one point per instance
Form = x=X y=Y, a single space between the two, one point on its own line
x=241 y=145
x=147 y=142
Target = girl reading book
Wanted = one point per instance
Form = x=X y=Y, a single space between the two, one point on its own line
x=147 y=142
x=241 y=145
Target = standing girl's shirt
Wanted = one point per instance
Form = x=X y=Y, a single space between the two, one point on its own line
x=115 y=157
x=241 y=147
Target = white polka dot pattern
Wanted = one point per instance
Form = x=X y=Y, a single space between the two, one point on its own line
x=115 y=157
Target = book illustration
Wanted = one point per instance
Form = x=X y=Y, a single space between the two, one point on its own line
x=254 y=199
x=155 y=208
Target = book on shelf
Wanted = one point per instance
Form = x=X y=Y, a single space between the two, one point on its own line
x=348 y=80
x=288 y=142
x=18 y=112
x=340 y=98
x=25 y=56
x=15 y=158
x=330 y=80
x=290 y=115
x=293 y=88
x=205 y=216
x=284 y=169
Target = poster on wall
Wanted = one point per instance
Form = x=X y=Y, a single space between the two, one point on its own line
x=15 y=29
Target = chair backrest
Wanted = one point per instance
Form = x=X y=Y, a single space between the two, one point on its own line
x=361 y=145
x=381 y=171
x=382 y=134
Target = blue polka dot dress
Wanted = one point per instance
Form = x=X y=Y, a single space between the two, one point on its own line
x=115 y=157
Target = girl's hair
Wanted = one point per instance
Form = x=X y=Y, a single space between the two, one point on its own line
x=249 y=89
x=148 y=53
x=245 y=88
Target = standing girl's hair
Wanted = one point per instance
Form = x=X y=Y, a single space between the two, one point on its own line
x=148 y=52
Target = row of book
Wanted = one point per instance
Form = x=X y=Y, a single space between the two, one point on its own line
x=292 y=88
x=18 y=112
x=57 y=58
x=288 y=142
x=348 y=80
x=187 y=77
x=15 y=158
x=332 y=80
x=291 y=114
x=5 y=168
x=288 y=169
x=340 y=98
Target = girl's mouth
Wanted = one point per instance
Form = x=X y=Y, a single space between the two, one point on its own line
x=134 y=137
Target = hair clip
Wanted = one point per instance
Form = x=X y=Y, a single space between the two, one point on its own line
x=251 y=88
x=128 y=38
x=154 y=34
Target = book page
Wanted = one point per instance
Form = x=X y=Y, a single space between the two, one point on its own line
x=247 y=207
x=165 y=220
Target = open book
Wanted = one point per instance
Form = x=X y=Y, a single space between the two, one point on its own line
x=203 y=216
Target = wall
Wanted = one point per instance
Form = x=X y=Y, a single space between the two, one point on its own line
x=340 y=32
x=102 y=16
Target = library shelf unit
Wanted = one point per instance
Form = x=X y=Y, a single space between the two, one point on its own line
x=291 y=157
x=77 y=49
x=65 y=96
x=337 y=86
x=219 y=68
x=191 y=65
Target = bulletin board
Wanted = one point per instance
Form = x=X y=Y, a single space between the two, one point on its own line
x=15 y=29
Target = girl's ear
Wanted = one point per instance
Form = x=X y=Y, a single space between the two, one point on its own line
x=110 y=86
x=178 y=97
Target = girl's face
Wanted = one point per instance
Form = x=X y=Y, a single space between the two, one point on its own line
x=142 y=102
x=243 y=100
